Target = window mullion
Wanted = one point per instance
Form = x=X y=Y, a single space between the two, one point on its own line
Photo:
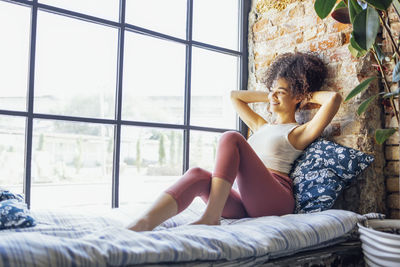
x=188 y=78
x=118 y=107
x=30 y=97
x=244 y=9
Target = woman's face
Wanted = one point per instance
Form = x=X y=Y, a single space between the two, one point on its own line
x=280 y=97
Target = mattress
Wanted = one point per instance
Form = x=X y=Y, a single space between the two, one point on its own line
x=71 y=238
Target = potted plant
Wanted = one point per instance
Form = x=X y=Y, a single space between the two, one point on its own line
x=380 y=238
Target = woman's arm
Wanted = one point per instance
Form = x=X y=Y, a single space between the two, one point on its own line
x=330 y=103
x=240 y=101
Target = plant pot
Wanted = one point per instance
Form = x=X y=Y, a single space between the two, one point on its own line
x=380 y=242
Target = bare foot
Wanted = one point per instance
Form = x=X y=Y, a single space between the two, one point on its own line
x=140 y=225
x=206 y=222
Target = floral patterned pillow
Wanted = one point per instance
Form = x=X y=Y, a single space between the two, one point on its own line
x=5 y=194
x=321 y=173
x=13 y=211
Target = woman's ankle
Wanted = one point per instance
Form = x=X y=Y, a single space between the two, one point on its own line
x=140 y=225
x=207 y=220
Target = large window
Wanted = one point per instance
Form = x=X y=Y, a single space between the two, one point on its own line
x=104 y=103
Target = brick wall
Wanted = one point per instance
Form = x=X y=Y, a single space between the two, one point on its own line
x=392 y=151
x=296 y=27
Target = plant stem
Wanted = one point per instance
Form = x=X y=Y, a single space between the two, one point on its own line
x=396 y=113
x=390 y=34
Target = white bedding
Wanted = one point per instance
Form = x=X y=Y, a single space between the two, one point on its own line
x=64 y=238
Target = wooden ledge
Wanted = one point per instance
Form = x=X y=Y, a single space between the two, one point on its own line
x=348 y=253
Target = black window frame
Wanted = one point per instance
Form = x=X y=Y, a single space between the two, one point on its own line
x=117 y=122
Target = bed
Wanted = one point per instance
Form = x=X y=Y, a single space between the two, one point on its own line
x=71 y=238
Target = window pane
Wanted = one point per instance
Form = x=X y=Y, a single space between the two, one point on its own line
x=203 y=149
x=214 y=75
x=154 y=80
x=75 y=67
x=71 y=164
x=168 y=17
x=14 y=55
x=12 y=147
x=106 y=9
x=151 y=160
x=216 y=22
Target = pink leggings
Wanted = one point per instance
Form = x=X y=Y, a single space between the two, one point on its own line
x=262 y=192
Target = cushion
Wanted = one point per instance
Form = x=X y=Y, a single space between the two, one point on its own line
x=5 y=194
x=321 y=173
x=14 y=214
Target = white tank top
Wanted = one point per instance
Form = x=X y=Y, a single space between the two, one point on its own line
x=272 y=146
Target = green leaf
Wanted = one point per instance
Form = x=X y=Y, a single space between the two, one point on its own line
x=365 y=27
x=341 y=5
x=356 y=53
x=354 y=9
x=365 y=104
x=380 y=4
x=359 y=88
x=382 y=134
x=353 y=51
x=379 y=53
x=355 y=45
x=324 y=7
x=396 y=73
x=387 y=95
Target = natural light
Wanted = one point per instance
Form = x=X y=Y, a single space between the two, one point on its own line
x=76 y=75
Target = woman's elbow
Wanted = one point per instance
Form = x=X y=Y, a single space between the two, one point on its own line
x=337 y=99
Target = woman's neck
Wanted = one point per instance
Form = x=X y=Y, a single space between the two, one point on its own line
x=285 y=119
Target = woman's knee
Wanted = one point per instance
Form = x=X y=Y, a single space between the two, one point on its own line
x=231 y=137
x=197 y=173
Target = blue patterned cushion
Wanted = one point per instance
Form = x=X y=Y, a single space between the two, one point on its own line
x=322 y=171
x=5 y=194
x=14 y=214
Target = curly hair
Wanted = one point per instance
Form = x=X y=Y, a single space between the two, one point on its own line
x=304 y=72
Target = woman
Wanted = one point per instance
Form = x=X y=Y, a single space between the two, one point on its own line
x=261 y=164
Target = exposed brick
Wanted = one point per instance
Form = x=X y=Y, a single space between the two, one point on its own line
x=260 y=25
x=299 y=38
x=392 y=168
x=392 y=153
x=310 y=33
x=291 y=30
x=268 y=34
x=340 y=55
x=259 y=37
x=296 y=11
x=394 y=139
x=334 y=85
x=395 y=214
x=262 y=61
x=395 y=27
x=340 y=27
x=334 y=40
x=333 y=70
x=393 y=201
x=393 y=184
x=348 y=68
x=321 y=28
x=393 y=17
x=390 y=121
x=288 y=28
x=346 y=37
